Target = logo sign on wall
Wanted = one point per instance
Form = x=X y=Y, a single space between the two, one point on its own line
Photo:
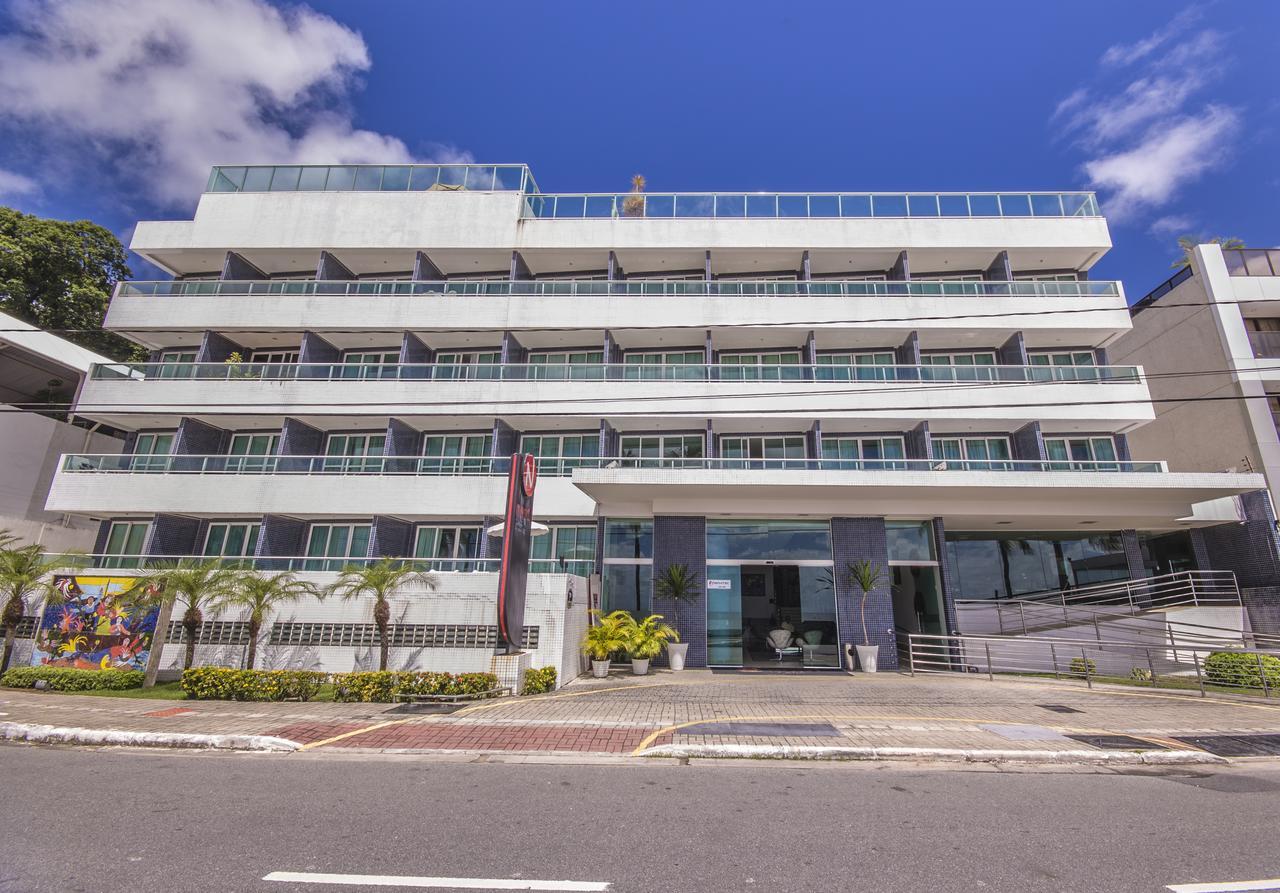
x=517 y=531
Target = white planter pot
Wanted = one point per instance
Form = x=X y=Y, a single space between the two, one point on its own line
x=867 y=656
x=640 y=666
x=600 y=668
x=676 y=652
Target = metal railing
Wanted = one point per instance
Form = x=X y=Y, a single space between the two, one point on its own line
x=739 y=288
x=1180 y=589
x=577 y=206
x=321 y=563
x=1185 y=665
x=372 y=178
x=721 y=372
x=112 y=463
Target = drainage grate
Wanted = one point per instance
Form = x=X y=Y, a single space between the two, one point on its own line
x=764 y=729
x=1235 y=745
x=1116 y=742
x=427 y=709
x=1059 y=708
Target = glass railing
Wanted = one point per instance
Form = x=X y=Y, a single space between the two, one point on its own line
x=1266 y=345
x=372 y=178
x=578 y=567
x=743 y=288
x=556 y=467
x=577 y=206
x=605 y=372
x=1252 y=261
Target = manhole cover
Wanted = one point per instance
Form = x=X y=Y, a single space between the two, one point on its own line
x=1059 y=708
x=764 y=729
x=1235 y=745
x=425 y=709
x=1116 y=742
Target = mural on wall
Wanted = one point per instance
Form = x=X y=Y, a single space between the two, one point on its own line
x=102 y=624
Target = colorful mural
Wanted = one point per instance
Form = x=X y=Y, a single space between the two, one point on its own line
x=101 y=625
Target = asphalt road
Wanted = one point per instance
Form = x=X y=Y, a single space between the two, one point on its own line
x=112 y=820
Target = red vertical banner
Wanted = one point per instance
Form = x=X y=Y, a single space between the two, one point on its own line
x=517 y=534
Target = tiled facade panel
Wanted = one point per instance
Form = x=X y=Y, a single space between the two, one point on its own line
x=315 y=349
x=683 y=540
x=1013 y=352
x=173 y=535
x=1027 y=443
x=402 y=441
x=390 y=537
x=855 y=539
x=237 y=268
x=908 y=353
x=330 y=269
x=1263 y=604
x=1133 y=554
x=948 y=575
x=215 y=348
x=299 y=439
x=916 y=442
x=281 y=537
x=197 y=438
x=413 y=350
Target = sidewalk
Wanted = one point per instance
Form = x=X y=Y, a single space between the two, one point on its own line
x=701 y=713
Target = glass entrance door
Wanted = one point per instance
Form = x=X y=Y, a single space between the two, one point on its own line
x=771 y=615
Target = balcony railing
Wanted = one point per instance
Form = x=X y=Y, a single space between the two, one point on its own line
x=372 y=178
x=1266 y=345
x=605 y=372
x=824 y=205
x=1252 y=261
x=579 y=567
x=561 y=466
x=766 y=288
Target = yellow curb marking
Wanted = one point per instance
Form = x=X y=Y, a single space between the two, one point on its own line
x=352 y=734
x=1187 y=697
x=562 y=695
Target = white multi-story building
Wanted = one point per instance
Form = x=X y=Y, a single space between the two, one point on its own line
x=762 y=387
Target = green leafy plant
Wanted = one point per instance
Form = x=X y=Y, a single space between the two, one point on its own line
x=539 y=681
x=608 y=635
x=678 y=585
x=1189 y=242
x=226 y=684
x=1140 y=674
x=633 y=204
x=67 y=679
x=1083 y=666
x=647 y=638
x=378 y=581
x=865 y=576
x=203 y=586
x=260 y=594
x=1242 y=670
x=385 y=686
x=236 y=367
x=26 y=573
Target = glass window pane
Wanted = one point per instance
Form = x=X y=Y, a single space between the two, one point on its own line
x=855 y=206
x=984 y=206
x=368 y=179
x=909 y=540
x=479 y=178
x=889 y=205
x=395 y=179
x=341 y=179
x=116 y=537
x=312 y=179
x=137 y=536
x=257 y=179
x=1015 y=204
x=629 y=539
x=317 y=543
x=217 y=535
x=285 y=179
x=922 y=205
x=423 y=177
x=953 y=205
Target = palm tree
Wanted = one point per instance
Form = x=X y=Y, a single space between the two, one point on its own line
x=24 y=573
x=378 y=580
x=200 y=585
x=1188 y=242
x=263 y=594
x=633 y=204
x=866 y=576
x=679 y=585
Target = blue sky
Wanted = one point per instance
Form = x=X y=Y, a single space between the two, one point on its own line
x=1169 y=110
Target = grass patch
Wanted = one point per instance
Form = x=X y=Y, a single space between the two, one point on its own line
x=1174 y=683
x=168 y=691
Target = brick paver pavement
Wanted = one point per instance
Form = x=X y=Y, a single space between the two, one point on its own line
x=623 y=713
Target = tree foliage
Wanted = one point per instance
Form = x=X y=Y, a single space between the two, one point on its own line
x=1188 y=242
x=59 y=275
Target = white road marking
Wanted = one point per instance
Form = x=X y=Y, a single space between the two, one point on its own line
x=1226 y=886
x=427 y=883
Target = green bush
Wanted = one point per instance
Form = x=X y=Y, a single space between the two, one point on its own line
x=1244 y=670
x=1083 y=665
x=385 y=685
x=67 y=679
x=226 y=684
x=538 y=681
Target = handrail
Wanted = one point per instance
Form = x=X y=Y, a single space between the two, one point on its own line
x=148 y=463
x=720 y=288
x=1206 y=587
x=581 y=567
x=612 y=372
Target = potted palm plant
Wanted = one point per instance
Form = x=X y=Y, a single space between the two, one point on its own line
x=679 y=585
x=866 y=576
x=633 y=204
x=645 y=641
x=607 y=636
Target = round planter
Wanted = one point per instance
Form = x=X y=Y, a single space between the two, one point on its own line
x=676 y=652
x=640 y=666
x=599 y=668
x=867 y=656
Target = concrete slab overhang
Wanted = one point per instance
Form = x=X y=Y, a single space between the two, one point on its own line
x=972 y=500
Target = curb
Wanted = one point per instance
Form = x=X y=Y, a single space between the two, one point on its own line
x=811 y=752
x=44 y=734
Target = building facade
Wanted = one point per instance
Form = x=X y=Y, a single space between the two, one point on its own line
x=764 y=388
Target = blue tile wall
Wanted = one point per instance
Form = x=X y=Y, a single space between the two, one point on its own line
x=197 y=438
x=215 y=348
x=236 y=268
x=512 y=350
x=1013 y=352
x=425 y=270
x=413 y=350
x=173 y=535
x=1263 y=603
x=280 y=537
x=948 y=574
x=999 y=271
x=854 y=539
x=330 y=269
x=390 y=537
x=917 y=442
x=298 y=439
x=1027 y=443
x=901 y=269
x=404 y=446
x=681 y=539
x=1133 y=554
x=315 y=349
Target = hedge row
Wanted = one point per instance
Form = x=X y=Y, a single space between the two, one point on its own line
x=225 y=684
x=386 y=685
x=539 y=681
x=67 y=679
x=1245 y=670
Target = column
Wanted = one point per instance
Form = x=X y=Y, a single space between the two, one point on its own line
x=236 y=268
x=390 y=537
x=856 y=539
x=425 y=270
x=679 y=539
x=1027 y=443
x=279 y=537
x=298 y=439
x=174 y=536
x=316 y=351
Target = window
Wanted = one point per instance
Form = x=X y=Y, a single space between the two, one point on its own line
x=910 y=542
x=576 y=545
x=232 y=539
x=974 y=453
x=176 y=364
x=1051 y=277
x=1075 y=365
x=876 y=366
x=1013 y=564
x=452 y=548
x=151 y=451
x=662 y=451
x=454 y=453
x=959 y=366
x=563 y=365
x=253 y=451
x=468 y=365
x=763 y=452
x=277 y=357
x=125 y=540
x=627 y=575
x=1081 y=453
x=560 y=453
x=863 y=452
x=668 y=365
x=772 y=366
x=755 y=541
x=354 y=453
x=337 y=542
x=383 y=363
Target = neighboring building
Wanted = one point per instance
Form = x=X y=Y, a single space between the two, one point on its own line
x=1209 y=338
x=39 y=376
x=763 y=387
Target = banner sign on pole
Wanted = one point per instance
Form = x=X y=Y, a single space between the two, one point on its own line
x=517 y=531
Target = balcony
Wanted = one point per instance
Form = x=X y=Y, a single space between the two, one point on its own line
x=312 y=564
x=372 y=178
x=1252 y=261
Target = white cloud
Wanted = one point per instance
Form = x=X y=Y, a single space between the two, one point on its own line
x=1171 y=225
x=1127 y=54
x=163 y=89
x=14 y=184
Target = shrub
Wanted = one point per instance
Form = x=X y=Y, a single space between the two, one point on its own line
x=1244 y=670
x=226 y=684
x=1083 y=665
x=538 y=681
x=386 y=685
x=67 y=679
x=1140 y=674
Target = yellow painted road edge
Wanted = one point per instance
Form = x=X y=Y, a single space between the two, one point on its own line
x=352 y=734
